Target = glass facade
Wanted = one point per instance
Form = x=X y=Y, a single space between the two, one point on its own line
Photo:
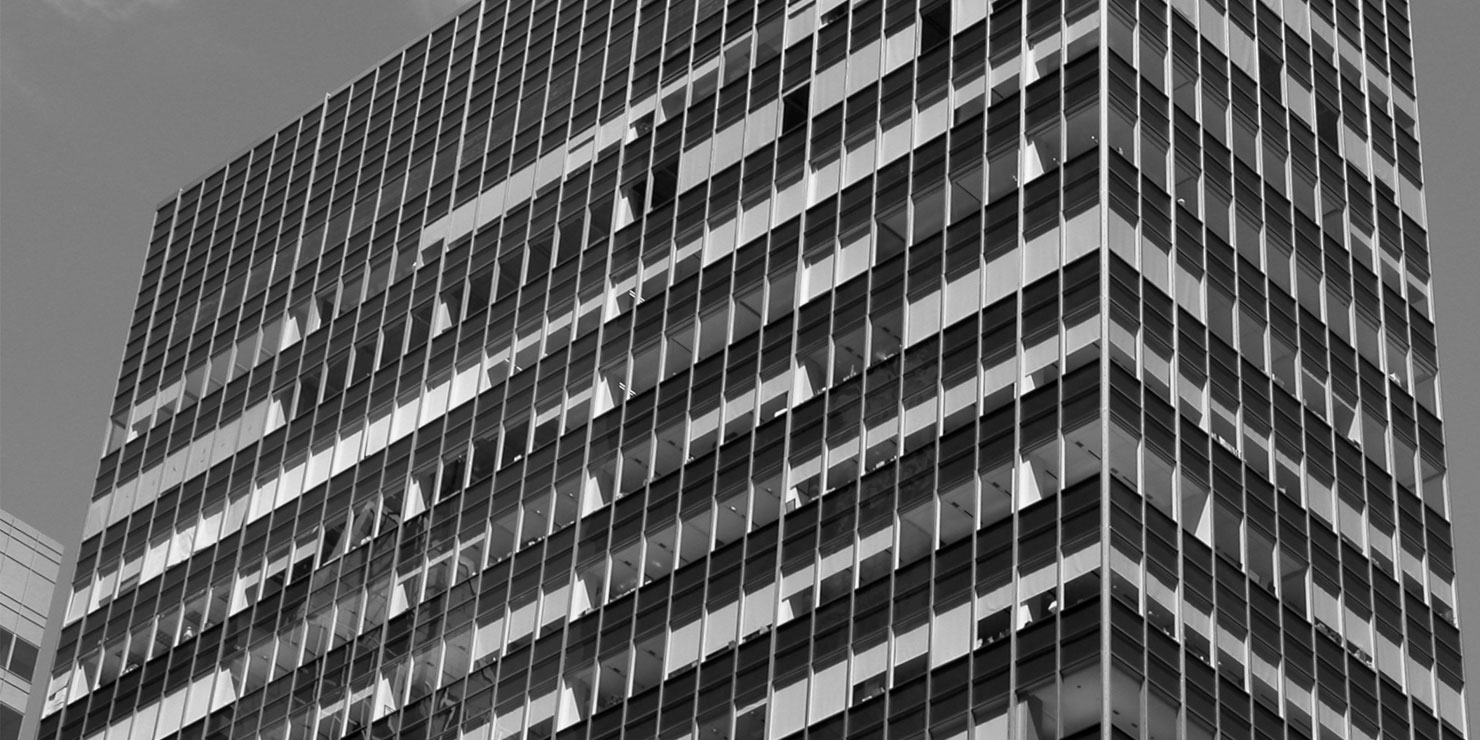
x=763 y=369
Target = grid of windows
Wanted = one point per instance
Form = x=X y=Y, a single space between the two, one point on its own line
x=751 y=368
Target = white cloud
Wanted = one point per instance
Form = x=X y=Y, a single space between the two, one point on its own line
x=114 y=10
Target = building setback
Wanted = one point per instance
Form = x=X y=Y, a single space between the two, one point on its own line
x=29 y=561
x=759 y=369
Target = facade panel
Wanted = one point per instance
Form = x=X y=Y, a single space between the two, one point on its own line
x=29 y=562
x=757 y=369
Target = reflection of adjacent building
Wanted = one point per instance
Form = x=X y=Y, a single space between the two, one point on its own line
x=776 y=369
x=29 y=562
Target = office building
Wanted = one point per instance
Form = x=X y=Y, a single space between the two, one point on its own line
x=29 y=561
x=760 y=369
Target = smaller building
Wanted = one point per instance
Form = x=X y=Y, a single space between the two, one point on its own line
x=29 y=562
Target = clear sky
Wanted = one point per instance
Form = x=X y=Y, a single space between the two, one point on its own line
x=108 y=106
